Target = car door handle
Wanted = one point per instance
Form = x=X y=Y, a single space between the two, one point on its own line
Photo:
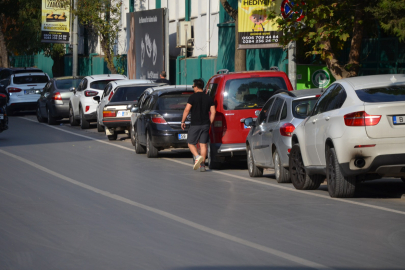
x=314 y=121
x=271 y=130
x=327 y=118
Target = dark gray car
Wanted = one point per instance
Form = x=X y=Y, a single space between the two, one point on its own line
x=53 y=103
x=269 y=140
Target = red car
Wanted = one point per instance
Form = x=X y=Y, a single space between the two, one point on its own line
x=238 y=96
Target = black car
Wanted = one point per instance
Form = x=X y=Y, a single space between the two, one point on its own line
x=6 y=72
x=53 y=103
x=158 y=125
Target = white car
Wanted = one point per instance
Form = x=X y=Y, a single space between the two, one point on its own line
x=108 y=92
x=24 y=90
x=82 y=106
x=356 y=132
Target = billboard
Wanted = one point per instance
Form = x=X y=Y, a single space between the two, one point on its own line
x=147 y=45
x=55 y=21
x=255 y=31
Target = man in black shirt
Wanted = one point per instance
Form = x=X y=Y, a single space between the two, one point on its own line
x=163 y=78
x=200 y=105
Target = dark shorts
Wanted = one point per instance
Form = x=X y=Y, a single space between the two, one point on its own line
x=198 y=134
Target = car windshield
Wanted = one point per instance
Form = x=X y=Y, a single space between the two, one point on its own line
x=128 y=93
x=30 y=79
x=67 y=83
x=382 y=94
x=100 y=85
x=250 y=93
x=173 y=102
x=302 y=107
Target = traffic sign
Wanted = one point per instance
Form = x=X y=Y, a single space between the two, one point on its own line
x=287 y=10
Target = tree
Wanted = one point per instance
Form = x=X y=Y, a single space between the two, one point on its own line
x=390 y=13
x=56 y=52
x=240 y=55
x=102 y=17
x=327 y=27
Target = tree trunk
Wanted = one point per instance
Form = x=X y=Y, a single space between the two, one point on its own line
x=240 y=55
x=354 y=56
x=108 y=56
x=3 y=52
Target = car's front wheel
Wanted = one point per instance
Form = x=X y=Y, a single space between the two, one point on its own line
x=281 y=173
x=39 y=116
x=253 y=170
x=100 y=128
x=139 y=149
x=339 y=186
x=72 y=120
x=300 y=179
x=51 y=120
x=151 y=151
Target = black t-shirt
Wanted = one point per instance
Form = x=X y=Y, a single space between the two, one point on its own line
x=201 y=104
x=162 y=81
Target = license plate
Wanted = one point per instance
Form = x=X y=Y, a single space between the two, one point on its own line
x=398 y=120
x=122 y=113
x=29 y=92
x=182 y=136
x=1 y=117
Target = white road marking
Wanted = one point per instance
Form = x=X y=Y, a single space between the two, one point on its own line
x=241 y=177
x=186 y=222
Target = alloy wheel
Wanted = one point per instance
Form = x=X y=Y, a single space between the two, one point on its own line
x=277 y=166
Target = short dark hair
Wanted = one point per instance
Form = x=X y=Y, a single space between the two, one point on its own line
x=199 y=83
x=163 y=74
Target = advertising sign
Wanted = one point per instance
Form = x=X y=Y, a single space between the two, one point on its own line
x=146 y=51
x=254 y=29
x=55 y=20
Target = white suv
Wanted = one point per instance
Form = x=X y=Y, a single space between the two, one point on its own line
x=82 y=106
x=24 y=90
x=356 y=132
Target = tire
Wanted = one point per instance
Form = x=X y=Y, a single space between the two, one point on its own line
x=84 y=124
x=300 y=179
x=39 y=116
x=281 y=173
x=51 y=120
x=132 y=135
x=151 y=151
x=212 y=164
x=111 y=137
x=252 y=169
x=339 y=186
x=403 y=179
x=139 y=149
x=100 y=128
x=72 y=120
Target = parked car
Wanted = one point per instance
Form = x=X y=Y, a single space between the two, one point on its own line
x=356 y=132
x=82 y=106
x=53 y=104
x=158 y=125
x=7 y=72
x=238 y=96
x=269 y=140
x=117 y=113
x=3 y=85
x=108 y=92
x=24 y=90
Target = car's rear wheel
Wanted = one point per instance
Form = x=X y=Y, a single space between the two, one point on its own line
x=212 y=164
x=72 y=120
x=10 y=112
x=139 y=149
x=253 y=170
x=339 y=186
x=51 y=120
x=39 y=116
x=151 y=151
x=112 y=137
x=281 y=173
x=84 y=124
x=300 y=179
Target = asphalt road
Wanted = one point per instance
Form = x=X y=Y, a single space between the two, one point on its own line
x=70 y=199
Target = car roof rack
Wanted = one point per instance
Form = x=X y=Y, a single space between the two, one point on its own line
x=223 y=71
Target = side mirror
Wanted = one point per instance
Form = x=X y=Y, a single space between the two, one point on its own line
x=135 y=109
x=46 y=94
x=302 y=109
x=249 y=122
x=97 y=98
x=72 y=89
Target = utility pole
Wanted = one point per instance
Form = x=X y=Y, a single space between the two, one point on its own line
x=292 y=63
x=74 y=41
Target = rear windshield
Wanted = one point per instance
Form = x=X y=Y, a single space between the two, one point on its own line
x=100 y=85
x=130 y=93
x=30 y=79
x=302 y=107
x=67 y=84
x=382 y=94
x=250 y=93
x=173 y=102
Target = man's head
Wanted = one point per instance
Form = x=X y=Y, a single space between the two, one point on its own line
x=163 y=74
x=198 y=84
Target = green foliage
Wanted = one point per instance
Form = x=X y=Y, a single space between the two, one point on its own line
x=391 y=15
x=55 y=51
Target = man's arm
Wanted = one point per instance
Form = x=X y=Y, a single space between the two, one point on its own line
x=212 y=115
x=185 y=113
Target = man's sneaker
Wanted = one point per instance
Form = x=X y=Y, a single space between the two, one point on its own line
x=202 y=168
x=197 y=162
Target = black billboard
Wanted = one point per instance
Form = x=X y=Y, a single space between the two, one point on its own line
x=146 y=52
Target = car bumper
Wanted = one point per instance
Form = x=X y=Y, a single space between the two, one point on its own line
x=115 y=123
x=164 y=139
x=60 y=111
x=23 y=106
x=229 y=149
x=91 y=116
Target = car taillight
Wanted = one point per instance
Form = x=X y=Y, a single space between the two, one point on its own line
x=57 y=96
x=110 y=96
x=359 y=119
x=287 y=129
x=158 y=119
x=3 y=95
x=89 y=93
x=109 y=113
x=13 y=90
